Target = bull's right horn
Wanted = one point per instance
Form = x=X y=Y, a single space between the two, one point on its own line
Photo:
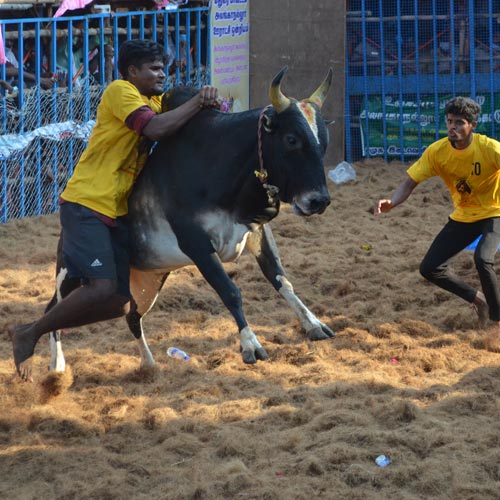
x=279 y=101
x=318 y=97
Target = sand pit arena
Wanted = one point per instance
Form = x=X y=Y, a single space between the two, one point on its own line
x=409 y=375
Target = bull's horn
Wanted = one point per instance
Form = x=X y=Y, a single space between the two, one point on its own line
x=279 y=101
x=318 y=97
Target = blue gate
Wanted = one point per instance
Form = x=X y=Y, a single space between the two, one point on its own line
x=405 y=59
x=49 y=91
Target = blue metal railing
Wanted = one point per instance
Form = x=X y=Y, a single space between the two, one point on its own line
x=404 y=60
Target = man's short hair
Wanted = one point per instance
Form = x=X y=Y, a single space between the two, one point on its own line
x=465 y=107
x=137 y=52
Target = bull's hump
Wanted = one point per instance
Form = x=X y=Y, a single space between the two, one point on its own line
x=227 y=236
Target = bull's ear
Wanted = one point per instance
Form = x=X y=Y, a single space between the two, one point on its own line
x=268 y=123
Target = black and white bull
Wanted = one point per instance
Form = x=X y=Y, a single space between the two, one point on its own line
x=208 y=191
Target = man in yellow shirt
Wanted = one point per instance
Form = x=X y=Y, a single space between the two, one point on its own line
x=94 y=203
x=469 y=165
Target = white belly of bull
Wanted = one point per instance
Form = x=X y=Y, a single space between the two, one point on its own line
x=228 y=239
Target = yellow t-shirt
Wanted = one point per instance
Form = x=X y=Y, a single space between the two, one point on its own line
x=472 y=175
x=104 y=176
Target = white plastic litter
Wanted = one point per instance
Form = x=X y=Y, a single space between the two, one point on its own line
x=343 y=172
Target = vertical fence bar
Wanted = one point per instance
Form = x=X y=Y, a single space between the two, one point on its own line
x=187 y=48
x=472 y=50
x=417 y=75
x=366 y=142
x=3 y=176
x=198 y=75
x=116 y=46
x=21 y=177
x=141 y=26
x=347 y=108
x=38 y=166
x=20 y=78
x=491 y=67
x=400 y=83
x=453 y=48
x=434 y=76
x=382 y=75
x=154 y=21
x=177 y=48
x=209 y=46
x=102 y=60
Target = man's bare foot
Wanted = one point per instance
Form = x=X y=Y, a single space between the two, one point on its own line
x=482 y=310
x=24 y=339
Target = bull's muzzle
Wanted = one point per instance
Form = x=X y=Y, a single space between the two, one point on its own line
x=310 y=204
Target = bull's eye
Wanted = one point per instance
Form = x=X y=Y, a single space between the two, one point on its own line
x=291 y=141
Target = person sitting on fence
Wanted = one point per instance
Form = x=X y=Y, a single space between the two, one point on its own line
x=93 y=205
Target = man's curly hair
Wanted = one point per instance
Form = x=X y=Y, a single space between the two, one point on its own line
x=137 y=52
x=465 y=107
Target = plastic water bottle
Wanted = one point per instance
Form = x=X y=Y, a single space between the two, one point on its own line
x=177 y=353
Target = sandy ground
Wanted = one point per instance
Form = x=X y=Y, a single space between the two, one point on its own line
x=409 y=374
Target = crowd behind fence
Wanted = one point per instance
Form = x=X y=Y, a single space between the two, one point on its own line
x=405 y=60
x=51 y=85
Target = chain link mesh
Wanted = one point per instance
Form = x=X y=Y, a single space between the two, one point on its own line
x=37 y=163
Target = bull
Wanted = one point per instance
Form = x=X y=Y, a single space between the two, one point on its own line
x=208 y=192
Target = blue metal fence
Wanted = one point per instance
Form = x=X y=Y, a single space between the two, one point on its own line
x=48 y=105
x=405 y=59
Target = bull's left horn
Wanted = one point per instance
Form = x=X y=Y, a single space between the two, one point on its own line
x=318 y=97
x=279 y=101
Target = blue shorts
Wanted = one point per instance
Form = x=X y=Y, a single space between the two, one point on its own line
x=93 y=250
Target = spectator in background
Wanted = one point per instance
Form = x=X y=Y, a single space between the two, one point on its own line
x=29 y=74
x=72 y=64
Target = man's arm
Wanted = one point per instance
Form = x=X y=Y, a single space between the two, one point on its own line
x=169 y=122
x=401 y=193
x=12 y=72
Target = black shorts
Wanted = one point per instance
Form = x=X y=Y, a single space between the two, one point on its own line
x=94 y=250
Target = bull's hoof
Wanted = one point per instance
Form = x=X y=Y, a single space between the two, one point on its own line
x=321 y=333
x=261 y=354
x=251 y=357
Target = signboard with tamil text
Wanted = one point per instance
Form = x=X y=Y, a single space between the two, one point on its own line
x=229 y=56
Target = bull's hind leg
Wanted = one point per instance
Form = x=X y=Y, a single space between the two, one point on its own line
x=263 y=246
x=145 y=287
x=64 y=286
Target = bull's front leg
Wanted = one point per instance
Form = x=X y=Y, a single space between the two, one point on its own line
x=263 y=246
x=213 y=271
x=195 y=243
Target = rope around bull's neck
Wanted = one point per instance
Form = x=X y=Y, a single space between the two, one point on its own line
x=271 y=191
